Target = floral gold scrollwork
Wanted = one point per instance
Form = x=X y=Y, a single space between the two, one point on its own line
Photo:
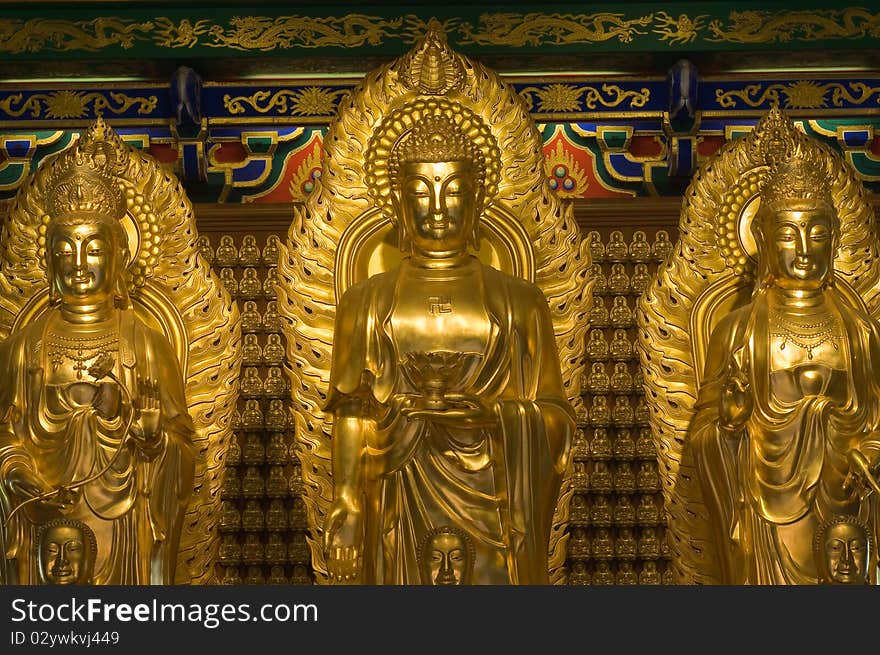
x=567 y=97
x=803 y=94
x=787 y=26
x=536 y=29
x=74 y=104
x=308 y=101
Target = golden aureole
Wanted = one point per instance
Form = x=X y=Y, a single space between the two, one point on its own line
x=434 y=293
x=121 y=359
x=760 y=347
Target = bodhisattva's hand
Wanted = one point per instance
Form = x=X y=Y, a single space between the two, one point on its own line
x=343 y=538
x=26 y=485
x=736 y=402
x=466 y=410
x=147 y=427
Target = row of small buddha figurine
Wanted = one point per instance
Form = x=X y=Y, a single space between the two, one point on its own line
x=621 y=315
x=596 y=379
x=252 y=417
x=625 y=572
x=620 y=444
x=269 y=354
x=255 y=575
x=622 y=477
x=622 y=413
x=253 y=385
x=249 y=253
x=644 y=543
x=249 y=286
x=638 y=250
x=254 y=321
x=618 y=282
x=272 y=481
x=273 y=515
x=621 y=510
x=271 y=548
x=248 y=448
x=622 y=347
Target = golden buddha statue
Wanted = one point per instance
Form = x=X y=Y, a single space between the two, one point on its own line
x=250 y=286
x=249 y=253
x=640 y=249
x=785 y=426
x=273 y=351
x=95 y=425
x=66 y=552
x=203 y=243
x=270 y=251
x=616 y=250
x=251 y=352
x=435 y=419
x=843 y=551
x=600 y=281
x=597 y=248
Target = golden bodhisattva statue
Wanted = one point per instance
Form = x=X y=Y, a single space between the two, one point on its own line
x=96 y=427
x=785 y=428
x=450 y=406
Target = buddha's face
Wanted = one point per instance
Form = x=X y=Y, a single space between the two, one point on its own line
x=800 y=247
x=85 y=262
x=846 y=553
x=447 y=559
x=65 y=556
x=438 y=203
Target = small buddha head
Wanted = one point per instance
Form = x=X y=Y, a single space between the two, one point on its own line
x=446 y=557
x=843 y=550
x=66 y=552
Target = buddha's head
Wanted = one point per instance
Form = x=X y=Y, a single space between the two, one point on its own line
x=796 y=228
x=446 y=557
x=438 y=188
x=66 y=552
x=842 y=550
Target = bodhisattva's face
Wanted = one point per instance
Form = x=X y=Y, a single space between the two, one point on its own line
x=846 y=553
x=800 y=247
x=85 y=262
x=65 y=556
x=448 y=559
x=439 y=205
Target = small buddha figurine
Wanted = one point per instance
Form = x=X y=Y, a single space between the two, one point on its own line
x=603 y=575
x=624 y=447
x=270 y=251
x=843 y=551
x=254 y=576
x=597 y=249
x=661 y=247
x=600 y=512
x=252 y=517
x=251 y=321
x=583 y=416
x=600 y=281
x=579 y=511
x=580 y=448
x=645 y=448
x=642 y=413
x=298 y=549
x=203 y=243
x=649 y=545
x=252 y=551
x=665 y=549
x=647 y=512
x=622 y=414
x=296 y=485
x=578 y=544
x=647 y=479
x=300 y=575
x=626 y=574
x=249 y=253
x=618 y=281
x=600 y=413
x=599 y=316
x=621 y=380
x=446 y=557
x=624 y=511
x=597 y=346
x=639 y=381
x=276 y=415
x=273 y=351
x=233 y=453
x=616 y=250
x=230 y=550
x=276 y=516
x=227 y=254
x=598 y=380
x=271 y=319
x=276 y=549
x=579 y=479
x=640 y=279
x=270 y=283
x=252 y=416
x=66 y=550
x=231 y=576
x=625 y=544
x=649 y=575
x=276 y=483
x=276 y=451
x=668 y=575
x=230 y=517
x=276 y=575
x=251 y=352
x=253 y=452
x=231 y=488
x=227 y=277
x=601 y=479
x=603 y=544
x=624 y=478
x=250 y=287
x=579 y=575
x=600 y=444
x=621 y=315
x=252 y=483
x=251 y=384
x=620 y=348
x=275 y=385
x=640 y=249
x=298 y=513
x=235 y=421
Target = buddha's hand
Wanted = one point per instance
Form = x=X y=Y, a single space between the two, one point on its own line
x=147 y=427
x=467 y=410
x=735 y=402
x=343 y=536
